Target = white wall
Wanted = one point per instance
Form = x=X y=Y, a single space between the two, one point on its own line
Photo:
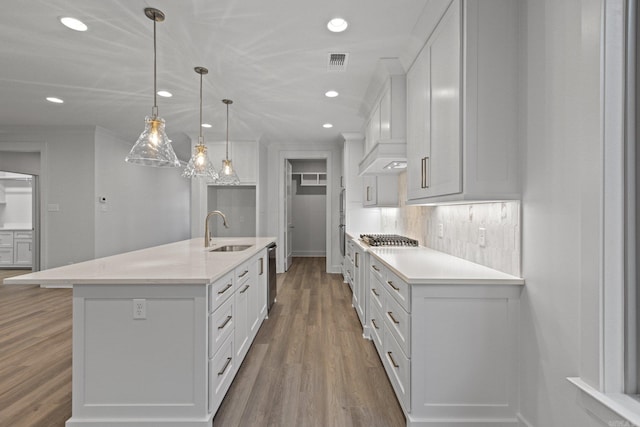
x=561 y=206
x=145 y=206
x=238 y=204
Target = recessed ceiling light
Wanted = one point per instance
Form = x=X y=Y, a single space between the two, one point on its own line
x=73 y=23
x=54 y=100
x=205 y=125
x=165 y=93
x=331 y=94
x=327 y=125
x=337 y=25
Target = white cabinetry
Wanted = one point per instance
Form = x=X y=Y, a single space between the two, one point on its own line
x=360 y=282
x=244 y=155
x=450 y=350
x=462 y=140
x=385 y=131
x=16 y=248
x=380 y=191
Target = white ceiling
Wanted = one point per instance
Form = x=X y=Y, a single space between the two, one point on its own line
x=268 y=56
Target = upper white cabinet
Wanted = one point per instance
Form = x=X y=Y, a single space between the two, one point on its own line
x=385 y=132
x=380 y=191
x=462 y=141
x=244 y=155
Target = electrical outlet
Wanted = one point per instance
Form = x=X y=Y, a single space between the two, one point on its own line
x=139 y=309
x=441 y=230
x=482 y=237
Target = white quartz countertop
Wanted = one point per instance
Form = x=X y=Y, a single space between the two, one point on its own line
x=185 y=262
x=420 y=265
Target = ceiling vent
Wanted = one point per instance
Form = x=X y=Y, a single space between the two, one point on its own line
x=338 y=62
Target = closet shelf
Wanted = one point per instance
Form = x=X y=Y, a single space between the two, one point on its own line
x=312 y=178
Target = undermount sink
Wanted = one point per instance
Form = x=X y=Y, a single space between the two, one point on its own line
x=230 y=248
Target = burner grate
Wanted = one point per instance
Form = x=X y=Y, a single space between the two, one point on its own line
x=387 y=240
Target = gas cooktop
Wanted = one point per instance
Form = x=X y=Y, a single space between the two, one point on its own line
x=387 y=240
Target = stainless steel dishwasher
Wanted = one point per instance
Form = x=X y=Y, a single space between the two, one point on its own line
x=271 y=290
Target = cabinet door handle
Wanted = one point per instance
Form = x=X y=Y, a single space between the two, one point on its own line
x=392 y=285
x=425 y=172
x=244 y=273
x=261 y=266
x=375 y=268
x=222 y=291
x=357 y=253
x=226 y=365
x=368 y=198
x=390 y=314
x=245 y=289
x=375 y=325
x=393 y=362
x=227 y=320
x=375 y=292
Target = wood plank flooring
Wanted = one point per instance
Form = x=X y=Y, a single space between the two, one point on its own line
x=309 y=365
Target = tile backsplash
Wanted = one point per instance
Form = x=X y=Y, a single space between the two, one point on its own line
x=461 y=228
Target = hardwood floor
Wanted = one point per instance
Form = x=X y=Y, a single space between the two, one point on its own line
x=309 y=365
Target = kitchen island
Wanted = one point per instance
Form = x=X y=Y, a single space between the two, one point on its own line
x=159 y=333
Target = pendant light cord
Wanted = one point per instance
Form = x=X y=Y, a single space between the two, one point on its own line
x=227 y=155
x=154 y=112
x=200 y=124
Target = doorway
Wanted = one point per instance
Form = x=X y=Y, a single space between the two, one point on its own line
x=294 y=232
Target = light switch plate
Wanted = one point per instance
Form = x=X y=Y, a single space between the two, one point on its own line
x=441 y=230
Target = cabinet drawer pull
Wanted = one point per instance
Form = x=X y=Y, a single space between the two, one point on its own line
x=392 y=285
x=375 y=292
x=226 y=365
x=244 y=289
x=227 y=320
x=390 y=314
x=243 y=274
x=222 y=291
x=375 y=268
x=375 y=325
x=393 y=362
x=261 y=266
x=357 y=253
x=368 y=198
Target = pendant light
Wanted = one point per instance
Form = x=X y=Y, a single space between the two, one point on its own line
x=227 y=174
x=199 y=165
x=153 y=147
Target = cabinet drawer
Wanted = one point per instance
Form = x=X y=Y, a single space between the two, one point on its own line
x=377 y=290
x=23 y=234
x=221 y=372
x=221 y=324
x=398 y=289
x=377 y=269
x=242 y=273
x=376 y=322
x=6 y=239
x=6 y=256
x=398 y=368
x=399 y=323
x=220 y=290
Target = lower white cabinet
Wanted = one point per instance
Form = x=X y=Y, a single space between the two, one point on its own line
x=16 y=248
x=450 y=350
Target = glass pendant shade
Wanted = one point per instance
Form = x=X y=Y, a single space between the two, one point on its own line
x=228 y=175
x=199 y=165
x=153 y=147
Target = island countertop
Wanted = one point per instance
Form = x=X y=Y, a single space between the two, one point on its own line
x=184 y=262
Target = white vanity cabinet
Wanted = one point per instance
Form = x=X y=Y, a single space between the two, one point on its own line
x=449 y=346
x=462 y=140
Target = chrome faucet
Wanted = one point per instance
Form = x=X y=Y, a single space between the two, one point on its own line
x=207 y=233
